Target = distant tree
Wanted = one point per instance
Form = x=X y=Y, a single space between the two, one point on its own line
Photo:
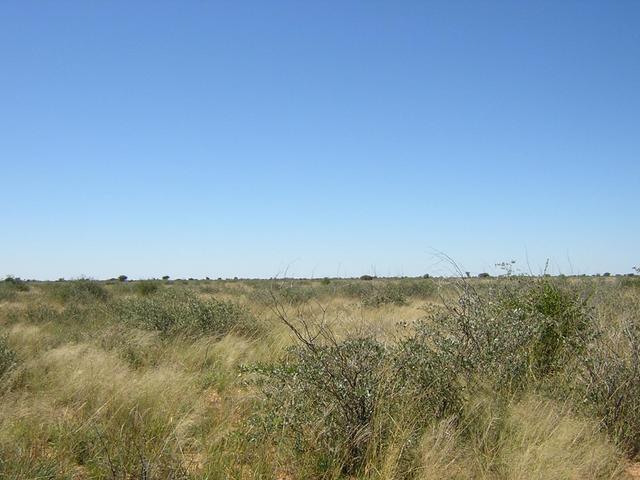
x=165 y=278
x=366 y=277
x=426 y=275
x=483 y=275
x=122 y=278
x=468 y=274
x=606 y=274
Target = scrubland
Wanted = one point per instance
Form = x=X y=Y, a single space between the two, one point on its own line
x=515 y=377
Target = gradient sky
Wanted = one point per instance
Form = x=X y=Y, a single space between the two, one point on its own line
x=201 y=138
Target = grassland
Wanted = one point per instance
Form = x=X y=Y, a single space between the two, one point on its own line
x=509 y=378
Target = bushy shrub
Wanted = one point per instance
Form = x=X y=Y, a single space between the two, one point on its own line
x=423 y=288
x=524 y=330
x=10 y=287
x=385 y=294
x=610 y=382
x=427 y=376
x=175 y=312
x=146 y=287
x=16 y=283
x=630 y=282
x=296 y=295
x=79 y=291
x=389 y=292
x=323 y=399
x=327 y=397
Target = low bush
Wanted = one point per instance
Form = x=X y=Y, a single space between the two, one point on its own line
x=78 y=291
x=146 y=287
x=630 y=282
x=375 y=294
x=10 y=287
x=610 y=384
x=524 y=330
x=335 y=400
x=16 y=284
x=181 y=312
x=323 y=399
x=387 y=294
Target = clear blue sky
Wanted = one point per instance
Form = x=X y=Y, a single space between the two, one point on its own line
x=201 y=138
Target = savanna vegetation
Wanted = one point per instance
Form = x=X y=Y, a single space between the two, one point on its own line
x=516 y=377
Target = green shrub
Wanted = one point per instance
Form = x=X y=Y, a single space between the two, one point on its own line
x=146 y=287
x=296 y=295
x=323 y=399
x=16 y=283
x=79 y=291
x=610 y=383
x=524 y=330
x=388 y=292
x=334 y=400
x=10 y=287
x=385 y=294
x=175 y=312
x=374 y=295
x=427 y=377
x=630 y=282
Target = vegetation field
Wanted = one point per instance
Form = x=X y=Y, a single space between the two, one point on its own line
x=515 y=377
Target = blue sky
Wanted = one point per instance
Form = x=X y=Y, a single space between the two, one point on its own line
x=204 y=138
